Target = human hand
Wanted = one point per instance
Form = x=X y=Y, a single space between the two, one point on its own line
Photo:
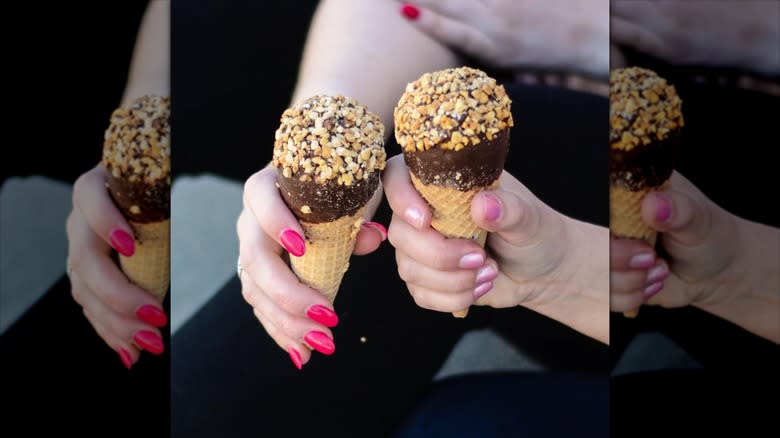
x=515 y=33
x=125 y=316
x=742 y=34
x=297 y=317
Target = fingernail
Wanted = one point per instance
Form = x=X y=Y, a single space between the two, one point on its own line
x=487 y=273
x=379 y=227
x=152 y=315
x=295 y=357
x=642 y=260
x=471 y=260
x=124 y=356
x=492 y=208
x=657 y=273
x=664 y=211
x=149 y=341
x=653 y=289
x=410 y=12
x=122 y=242
x=414 y=216
x=293 y=243
x=323 y=315
x=482 y=289
x=320 y=342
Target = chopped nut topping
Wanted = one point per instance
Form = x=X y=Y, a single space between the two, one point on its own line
x=451 y=109
x=643 y=108
x=137 y=144
x=305 y=209
x=135 y=209
x=329 y=138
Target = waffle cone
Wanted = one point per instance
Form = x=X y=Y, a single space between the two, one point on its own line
x=149 y=267
x=329 y=246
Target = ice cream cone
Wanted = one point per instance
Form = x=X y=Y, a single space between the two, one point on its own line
x=149 y=267
x=329 y=151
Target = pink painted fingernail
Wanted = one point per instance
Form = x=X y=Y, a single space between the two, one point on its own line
x=482 y=289
x=293 y=242
x=320 y=342
x=323 y=315
x=487 y=273
x=657 y=273
x=124 y=356
x=471 y=260
x=642 y=260
x=149 y=341
x=414 y=216
x=379 y=227
x=295 y=357
x=152 y=315
x=410 y=12
x=664 y=211
x=653 y=289
x=122 y=242
x=492 y=208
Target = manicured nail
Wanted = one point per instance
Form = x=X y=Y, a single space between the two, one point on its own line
x=410 y=12
x=642 y=260
x=653 y=289
x=664 y=211
x=471 y=260
x=323 y=315
x=414 y=216
x=492 y=208
x=379 y=227
x=657 y=273
x=295 y=357
x=482 y=289
x=149 y=341
x=152 y=315
x=487 y=273
x=124 y=356
x=320 y=342
x=293 y=243
x=122 y=242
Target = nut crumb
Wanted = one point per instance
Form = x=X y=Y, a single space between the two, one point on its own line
x=305 y=209
x=135 y=209
x=363 y=339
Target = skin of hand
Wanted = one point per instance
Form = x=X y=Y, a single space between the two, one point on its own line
x=535 y=256
x=719 y=33
x=125 y=316
x=718 y=262
x=511 y=33
x=296 y=316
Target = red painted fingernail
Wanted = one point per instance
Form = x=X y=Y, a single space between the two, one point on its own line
x=122 y=242
x=379 y=227
x=295 y=357
x=664 y=211
x=482 y=289
x=410 y=12
x=492 y=208
x=152 y=315
x=657 y=273
x=471 y=260
x=320 y=342
x=642 y=260
x=653 y=289
x=149 y=341
x=323 y=315
x=293 y=243
x=487 y=273
x=124 y=356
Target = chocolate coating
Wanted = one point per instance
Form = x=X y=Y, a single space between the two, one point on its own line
x=646 y=166
x=327 y=202
x=152 y=202
x=474 y=166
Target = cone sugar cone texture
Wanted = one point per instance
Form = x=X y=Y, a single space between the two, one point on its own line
x=645 y=119
x=453 y=126
x=136 y=156
x=328 y=152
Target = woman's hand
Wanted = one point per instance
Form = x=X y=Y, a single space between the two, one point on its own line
x=520 y=33
x=535 y=257
x=296 y=316
x=124 y=315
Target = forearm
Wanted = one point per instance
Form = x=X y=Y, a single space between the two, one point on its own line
x=150 y=65
x=750 y=298
x=365 y=50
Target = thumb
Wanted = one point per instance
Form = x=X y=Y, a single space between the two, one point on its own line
x=681 y=212
x=511 y=211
